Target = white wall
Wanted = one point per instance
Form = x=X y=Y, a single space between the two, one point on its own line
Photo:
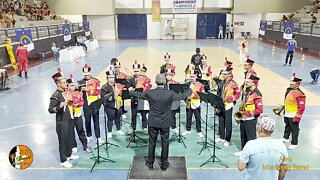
x=218 y=3
x=129 y=4
x=102 y=27
x=251 y=24
x=192 y=24
x=73 y=18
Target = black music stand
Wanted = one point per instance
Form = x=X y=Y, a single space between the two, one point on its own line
x=95 y=106
x=125 y=95
x=134 y=137
x=179 y=88
x=205 y=83
x=217 y=103
x=205 y=97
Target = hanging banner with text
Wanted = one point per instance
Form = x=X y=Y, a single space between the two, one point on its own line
x=263 y=27
x=156 y=10
x=288 y=30
x=66 y=32
x=184 y=6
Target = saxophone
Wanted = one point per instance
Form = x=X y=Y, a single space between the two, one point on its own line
x=239 y=115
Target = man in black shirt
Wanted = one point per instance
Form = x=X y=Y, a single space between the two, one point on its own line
x=196 y=59
x=160 y=117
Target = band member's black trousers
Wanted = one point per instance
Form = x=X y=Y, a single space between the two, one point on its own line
x=113 y=115
x=248 y=131
x=291 y=127
x=134 y=112
x=164 y=134
x=197 y=115
x=225 y=125
x=173 y=113
x=64 y=131
x=289 y=53
x=78 y=124
x=95 y=117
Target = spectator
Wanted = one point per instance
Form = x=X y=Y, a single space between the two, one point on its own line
x=315 y=73
x=265 y=157
x=291 y=16
x=284 y=18
x=314 y=19
x=55 y=51
x=231 y=32
x=81 y=40
x=227 y=32
x=2 y=22
x=220 y=35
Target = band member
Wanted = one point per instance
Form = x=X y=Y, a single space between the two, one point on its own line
x=160 y=118
x=193 y=104
x=167 y=60
x=217 y=82
x=170 y=72
x=230 y=94
x=248 y=72
x=113 y=105
x=196 y=59
x=90 y=87
x=251 y=108
x=74 y=104
x=22 y=54
x=143 y=83
x=205 y=69
x=226 y=64
x=58 y=105
x=294 y=106
x=243 y=50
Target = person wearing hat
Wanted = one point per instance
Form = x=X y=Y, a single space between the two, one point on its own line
x=118 y=73
x=205 y=69
x=170 y=72
x=247 y=73
x=167 y=60
x=112 y=106
x=160 y=118
x=294 y=106
x=137 y=82
x=193 y=104
x=75 y=103
x=265 y=157
x=196 y=59
x=252 y=107
x=243 y=50
x=58 y=105
x=230 y=94
x=22 y=54
x=90 y=88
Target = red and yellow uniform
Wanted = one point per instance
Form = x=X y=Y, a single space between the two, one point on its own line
x=144 y=82
x=194 y=99
x=253 y=105
x=294 y=104
x=93 y=90
x=231 y=94
x=22 y=54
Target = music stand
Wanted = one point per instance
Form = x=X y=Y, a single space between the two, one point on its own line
x=134 y=137
x=179 y=88
x=217 y=103
x=205 y=83
x=204 y=97
x=124 y=96
x=95 y=106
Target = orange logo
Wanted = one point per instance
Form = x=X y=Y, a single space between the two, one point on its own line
x=21 y=157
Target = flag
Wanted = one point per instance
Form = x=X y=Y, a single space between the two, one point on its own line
x=86 y=28
x=66 y=32
x=25 y=36
x=263 y=27
x=288 y=30
x=156 y=10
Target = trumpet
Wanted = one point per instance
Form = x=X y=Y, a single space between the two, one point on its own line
x=278 y=110
x=238 y=116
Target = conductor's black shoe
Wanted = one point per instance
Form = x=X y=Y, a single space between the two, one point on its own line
x=149 y=166
x=163 y=168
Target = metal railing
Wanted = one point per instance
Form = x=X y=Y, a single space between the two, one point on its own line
x=40 y=32
x=312 y=29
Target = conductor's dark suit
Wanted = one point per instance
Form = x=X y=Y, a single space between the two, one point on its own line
x=160 y=119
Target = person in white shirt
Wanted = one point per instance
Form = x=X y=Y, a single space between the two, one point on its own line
x=220 y=36
x=55 y=51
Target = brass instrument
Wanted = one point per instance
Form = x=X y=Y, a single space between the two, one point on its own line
x=278 y=110
x=239 y=115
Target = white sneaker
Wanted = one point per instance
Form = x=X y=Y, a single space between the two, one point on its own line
x=285 y=140
x=73 y=157
x=109 y=136
x=219 y=140
x=124 y=116
x=175 y=130
x=238 y=153
x=75 y=149
x=186 y=133
x=200 y=135
x=88 y=139
x=66 y=164
x=120 y=132
x=130 y=132
x=292 y=147
x=145 y=130
x=226 y=143
x=101 y=141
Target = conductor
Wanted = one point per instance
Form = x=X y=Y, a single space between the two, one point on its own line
x=160 y=119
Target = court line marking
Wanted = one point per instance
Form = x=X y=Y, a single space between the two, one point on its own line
x=78 y=168
x=16 y=127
